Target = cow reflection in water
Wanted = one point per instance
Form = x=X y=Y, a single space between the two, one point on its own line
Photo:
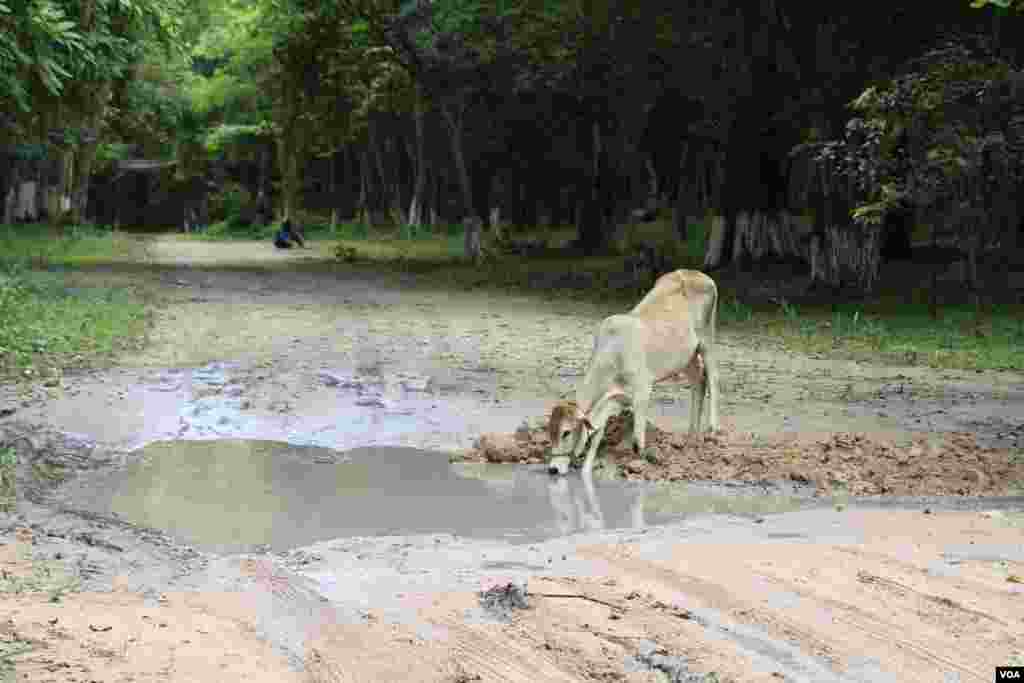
x=578 y=507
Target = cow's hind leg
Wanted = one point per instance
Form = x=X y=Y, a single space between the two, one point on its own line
x=641 y=404
x=698 y=388
x=711 y=379
x=696 y=405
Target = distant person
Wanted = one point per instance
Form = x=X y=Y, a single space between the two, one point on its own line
x=288 y=234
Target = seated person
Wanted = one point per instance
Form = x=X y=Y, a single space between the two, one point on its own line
x=288 y=234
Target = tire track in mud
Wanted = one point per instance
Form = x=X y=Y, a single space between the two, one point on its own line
x=835 y=602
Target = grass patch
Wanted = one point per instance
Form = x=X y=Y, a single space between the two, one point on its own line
x=46 y=577
x=10 y=648
x=40 y=246
x=47 y=325
x=8 y=493
x=964 y=337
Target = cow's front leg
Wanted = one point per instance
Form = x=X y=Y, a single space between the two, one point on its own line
x=599 y=422
x=595 y=442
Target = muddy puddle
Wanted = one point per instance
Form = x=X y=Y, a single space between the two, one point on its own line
x=230 y=496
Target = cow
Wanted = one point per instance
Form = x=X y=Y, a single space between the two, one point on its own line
x=670 y=334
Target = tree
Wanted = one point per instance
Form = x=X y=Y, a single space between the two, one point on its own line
x=944 y=139
x=61 y=68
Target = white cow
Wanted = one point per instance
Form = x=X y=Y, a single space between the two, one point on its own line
x=670 y=334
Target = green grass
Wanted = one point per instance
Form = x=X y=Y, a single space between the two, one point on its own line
x=8 y=460
x=964 y=337
x=47 y=577
x=48 y=325
x=40 y=246
x=9 y=650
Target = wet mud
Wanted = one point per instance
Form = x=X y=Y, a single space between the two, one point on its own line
x=843 y=463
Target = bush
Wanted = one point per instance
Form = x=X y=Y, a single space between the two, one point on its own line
x=229 y=202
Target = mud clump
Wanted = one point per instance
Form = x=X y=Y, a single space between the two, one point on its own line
x=844 y=463
x=502 y=600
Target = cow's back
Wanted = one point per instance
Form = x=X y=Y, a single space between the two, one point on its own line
x=677 y=295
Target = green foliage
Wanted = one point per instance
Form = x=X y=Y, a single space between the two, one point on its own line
x=224 y=136
x=934 y=138
x=148 y=110
x=227 y=204
x=108 y=152
x=43 y=46
x=1015 y=5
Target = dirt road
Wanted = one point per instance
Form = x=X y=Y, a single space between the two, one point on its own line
x=251 y=344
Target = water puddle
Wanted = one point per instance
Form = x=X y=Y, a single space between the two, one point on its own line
x=237 y=495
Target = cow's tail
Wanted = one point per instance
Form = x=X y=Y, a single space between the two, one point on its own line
x=710 y=329
x=711 y=319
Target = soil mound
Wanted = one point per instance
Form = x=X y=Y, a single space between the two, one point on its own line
x=852 y=463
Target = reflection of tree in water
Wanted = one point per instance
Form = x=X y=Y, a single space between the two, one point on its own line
x=578 y=507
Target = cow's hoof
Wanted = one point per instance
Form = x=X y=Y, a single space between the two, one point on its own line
x=558 y=465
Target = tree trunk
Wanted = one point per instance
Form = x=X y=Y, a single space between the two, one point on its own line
x=8 y=181
x=482 y=180
x=95 y=109
x=434 y=213
x=52 y=181
x=590 y=219
x=684 y=199
x=528 y=198
x=363 y=212
x=288 y=153
x=383 y=195
x=85 y=159
x=453 y=114
x=332 y=184
x=292 y=147
x=720 y=245
x=419 y=189
x=264 y=206
x=654 y=191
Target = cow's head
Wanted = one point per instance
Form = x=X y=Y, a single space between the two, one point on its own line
x=568 y=430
